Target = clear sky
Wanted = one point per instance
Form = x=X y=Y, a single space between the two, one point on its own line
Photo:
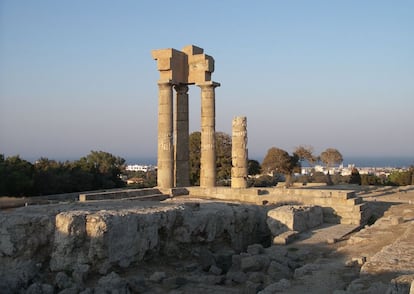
x=77 y=76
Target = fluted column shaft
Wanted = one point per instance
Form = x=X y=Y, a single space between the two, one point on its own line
x=239 y=153
x=165 y=173
x=181 y=138
x=208 y=140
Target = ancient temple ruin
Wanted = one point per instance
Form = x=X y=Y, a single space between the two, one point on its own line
x=206 y=239
x=178 y=69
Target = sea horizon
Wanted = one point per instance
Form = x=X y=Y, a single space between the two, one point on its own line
x=379 y=161
x=358 y=161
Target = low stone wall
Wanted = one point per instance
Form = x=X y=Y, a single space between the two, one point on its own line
x=339 y=206
x=120 y=194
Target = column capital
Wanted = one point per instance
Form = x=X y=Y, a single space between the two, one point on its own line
x=181 y=88
x=208 y=84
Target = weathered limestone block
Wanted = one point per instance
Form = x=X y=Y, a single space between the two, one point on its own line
x=110 y=283
x=22 y=234
x=237 y=277
x=278 y=271
x=305 y=270
x=401 y=284
x=293 y=217
x=106 y=238
x=200 y=65
x=24 y=240
x=254 y=263
x=38 y=288
x=157 y=277
x=285 y=238
x=109 y=238
x=255 y=249
x=280 y=286
x=172 y=65
x=214 y=221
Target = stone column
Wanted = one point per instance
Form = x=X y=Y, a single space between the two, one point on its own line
x=239 y=153
x=165 y=173
x=181 y=138
x=208 y=140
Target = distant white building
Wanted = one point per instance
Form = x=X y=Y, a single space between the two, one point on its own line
x=139 y=167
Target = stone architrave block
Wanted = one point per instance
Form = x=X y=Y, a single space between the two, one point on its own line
x=172 y=65
x=294 y=218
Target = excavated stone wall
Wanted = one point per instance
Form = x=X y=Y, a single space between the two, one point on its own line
x=87 y=239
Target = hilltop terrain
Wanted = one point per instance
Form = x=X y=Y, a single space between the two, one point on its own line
x=204 y=246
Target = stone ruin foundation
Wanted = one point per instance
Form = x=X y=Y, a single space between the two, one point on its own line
x=84 y=242
x=137 y=244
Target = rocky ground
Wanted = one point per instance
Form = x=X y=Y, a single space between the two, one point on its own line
x=329 y=259
x=333 y=258
x=377 y=259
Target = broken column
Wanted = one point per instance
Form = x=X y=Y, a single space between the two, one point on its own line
x=239 y=153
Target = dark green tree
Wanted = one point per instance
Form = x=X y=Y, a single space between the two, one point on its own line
x=105 y=168
x=355 y=177
x=195 y=154
x=253 y=167
x=2 y=175
x=51 y=177
x=223 y=157
x=400 y=178
x=367 y=179
x=16 y=176
x=264 y=181
x=81 y=178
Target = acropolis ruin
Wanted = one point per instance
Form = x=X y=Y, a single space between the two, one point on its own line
x=176 y=238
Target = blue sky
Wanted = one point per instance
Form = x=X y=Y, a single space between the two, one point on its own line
x=77 y=75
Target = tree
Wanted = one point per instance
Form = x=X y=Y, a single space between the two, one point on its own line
x=368 y=179
x=105 y=169
x=305 y=153
x=264 y=181
x=50 y=177
x=400 y=178
x=330 y=157
x=195 y=154
x=253 y=167
x=278 y=160
x=16 y=176
x=2 y=175
x=355 y=177
x=223 y=157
